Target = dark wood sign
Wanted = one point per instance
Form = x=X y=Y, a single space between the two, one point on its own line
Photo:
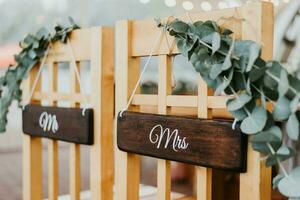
x=208 y=143
x=66 y=124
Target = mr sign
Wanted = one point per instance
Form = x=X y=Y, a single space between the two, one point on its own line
x=48 y=122
x=208 y=143
x=67 y=124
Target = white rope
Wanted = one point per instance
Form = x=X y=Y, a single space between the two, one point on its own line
x=73 y=63
x=76 y=71
x=37 y=76
x=157 y=40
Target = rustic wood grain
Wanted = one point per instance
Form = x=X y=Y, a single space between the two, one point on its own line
x=73 y=126
x=212 y=143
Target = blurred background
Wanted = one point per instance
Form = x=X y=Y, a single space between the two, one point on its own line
x=20 y=17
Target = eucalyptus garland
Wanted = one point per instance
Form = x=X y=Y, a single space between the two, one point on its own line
x=236 y=68
x=33 y=50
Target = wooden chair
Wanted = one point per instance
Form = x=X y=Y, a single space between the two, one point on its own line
x=95 y=45
x=134 y=39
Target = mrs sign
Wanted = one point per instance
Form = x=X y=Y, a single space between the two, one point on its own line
x=67 y=124
x=209 y=143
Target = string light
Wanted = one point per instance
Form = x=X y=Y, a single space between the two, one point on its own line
x=187 y=5
x=170 y=3
x=206 y=6
x=144 y=1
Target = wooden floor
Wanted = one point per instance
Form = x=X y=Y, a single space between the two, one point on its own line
x=11 y=177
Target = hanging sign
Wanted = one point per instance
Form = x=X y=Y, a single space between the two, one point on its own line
x=208 y=143
x=67 y=124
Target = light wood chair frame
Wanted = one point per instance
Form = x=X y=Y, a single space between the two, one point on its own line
x=95 y=45
x=133 y=40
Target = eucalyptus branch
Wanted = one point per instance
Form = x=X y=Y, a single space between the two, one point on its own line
x=277 y=159
x=215 y=55
x=33 y=50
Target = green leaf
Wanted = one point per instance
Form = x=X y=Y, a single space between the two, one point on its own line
x=224 y=84
x=289 y=186
x=282 y=109
x=263 y=99
x=254 y=53
x=227 y=31
x=273 y=136
x=227 y=61
x=216 y=42
x=294 y=83
x=257 y=72
x=179 y=26
x=283 y=85
x=282 y=154
x=238 y=114
x=255 y=121
x=238 y=102
x=215 y=71
x=184 y=46
x=292 y=127
x=272 y=75
x=276 y=180
x=294 y=104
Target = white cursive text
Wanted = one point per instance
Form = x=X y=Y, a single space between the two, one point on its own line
x=158 y=132
x=48 y=122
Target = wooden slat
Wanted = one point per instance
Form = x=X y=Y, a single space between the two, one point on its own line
x=213 y=102
x=127 y=176
x=203 y=175
x=204 y=183
x=122 y=56
x=258 y=26
x=163 y=179
x=32 y=176
x=52 y=144
x=58 y=96
x=32 y=155
x=102 y=72
x=74 y=148
x=142 y=29
x=82 y=48
x=164 y=89
x=145 y=99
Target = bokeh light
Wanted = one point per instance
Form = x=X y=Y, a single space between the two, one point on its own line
x=170 y=3
x=187 y=5
x=206 y=6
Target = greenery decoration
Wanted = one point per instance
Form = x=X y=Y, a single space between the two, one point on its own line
x=236 y=68
x=33 y=50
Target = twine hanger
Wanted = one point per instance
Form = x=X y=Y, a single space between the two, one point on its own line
x=73 y=64
x=151 y=52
